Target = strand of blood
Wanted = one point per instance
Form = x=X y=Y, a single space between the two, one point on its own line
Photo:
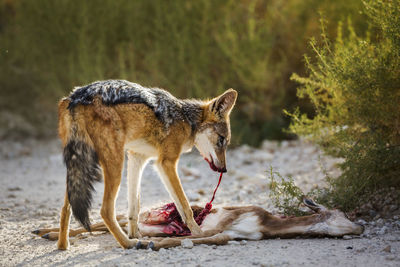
x=175 y=224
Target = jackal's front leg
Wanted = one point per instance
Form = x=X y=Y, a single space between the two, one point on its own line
x=136 y=164
x=168 y=173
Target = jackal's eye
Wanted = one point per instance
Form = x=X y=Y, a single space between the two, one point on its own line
x=221 y=141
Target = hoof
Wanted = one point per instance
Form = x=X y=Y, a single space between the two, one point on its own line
x=139 y=245
x=46 y=236
x=36 y=232
x=151 y=245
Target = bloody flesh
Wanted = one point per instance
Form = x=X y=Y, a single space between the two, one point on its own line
x=168 y=215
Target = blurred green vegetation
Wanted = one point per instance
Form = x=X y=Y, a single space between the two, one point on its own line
x=191 y=48
x=354 y=86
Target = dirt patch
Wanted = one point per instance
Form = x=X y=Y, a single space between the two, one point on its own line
x=33 y=183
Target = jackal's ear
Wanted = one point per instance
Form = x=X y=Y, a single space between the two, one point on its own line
x=223 y=104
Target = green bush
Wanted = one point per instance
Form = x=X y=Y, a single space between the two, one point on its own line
x=354 y=86
x=192 y=48
x=284 y=194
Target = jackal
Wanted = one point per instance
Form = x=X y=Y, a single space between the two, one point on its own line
x=101 y=121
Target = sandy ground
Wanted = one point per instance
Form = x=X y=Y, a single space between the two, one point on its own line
x=32 y=179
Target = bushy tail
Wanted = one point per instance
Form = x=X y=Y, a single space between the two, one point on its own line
x=83 y=170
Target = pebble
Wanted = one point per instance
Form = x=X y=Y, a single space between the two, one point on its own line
x=382 y=231
x=387 y=249
x=233 y=242
x=243 y=242
x=362 y=222
x=380 y=222
x=187 y=243
x=363 y=249
x=347 y=237
x=14 y=188
x=372 y=213
x=193 y=196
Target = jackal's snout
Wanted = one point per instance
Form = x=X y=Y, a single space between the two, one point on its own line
x=218 y=167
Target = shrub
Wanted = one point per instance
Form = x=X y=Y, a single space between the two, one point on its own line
x=354 y=86
x=284 y=194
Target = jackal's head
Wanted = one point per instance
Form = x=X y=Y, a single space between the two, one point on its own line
x=214 y=134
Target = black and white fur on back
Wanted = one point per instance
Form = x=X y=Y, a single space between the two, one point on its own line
x=167 y=108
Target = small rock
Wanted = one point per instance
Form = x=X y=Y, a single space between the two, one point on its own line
x=366 y=235
x=372 y=213
x=243 y=242
x=14 y=189
x=362 y=222
x=382 y=231
x=380 y=222
x=186 y=171
x=187 y=243
x=349 y=247
x=393 y=208
x=233 y=242
x=192 y=196
x=387 y=249
x=11 y=196
x=347 y=237
x=361 y=250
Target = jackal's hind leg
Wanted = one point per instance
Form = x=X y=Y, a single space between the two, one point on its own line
x=112 y=168
x=63 y=242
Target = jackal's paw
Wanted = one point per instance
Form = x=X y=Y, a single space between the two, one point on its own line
x=63 y=245
x=131 y=243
